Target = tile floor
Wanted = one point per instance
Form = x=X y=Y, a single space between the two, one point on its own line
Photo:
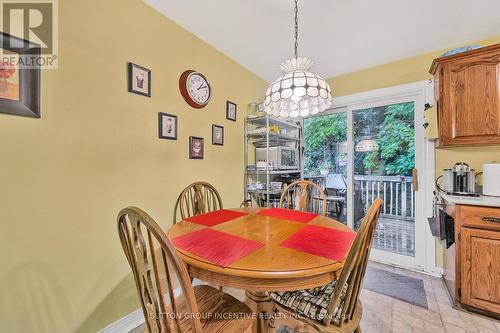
x=386 y=314
x=383 y=314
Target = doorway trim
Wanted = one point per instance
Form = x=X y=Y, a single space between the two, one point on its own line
x=421 y=92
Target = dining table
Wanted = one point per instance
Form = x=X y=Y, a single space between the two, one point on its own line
x=262 y=250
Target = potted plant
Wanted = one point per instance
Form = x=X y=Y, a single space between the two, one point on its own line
x=325 y=168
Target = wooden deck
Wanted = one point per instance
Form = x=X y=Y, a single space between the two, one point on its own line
x=395 y=235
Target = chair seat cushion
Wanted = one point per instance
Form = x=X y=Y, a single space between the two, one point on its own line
x=312 y=303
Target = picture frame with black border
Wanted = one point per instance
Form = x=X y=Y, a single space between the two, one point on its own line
x=217 y=135
x=139 y=80
x=231 y=110
x=27 y=100
x=167 y=126
x=196 y=148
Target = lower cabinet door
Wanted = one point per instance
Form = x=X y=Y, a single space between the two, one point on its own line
x=480 y=279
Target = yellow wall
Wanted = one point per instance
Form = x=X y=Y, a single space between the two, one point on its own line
x=411 y=70
x=398 y=72
x=64 y=177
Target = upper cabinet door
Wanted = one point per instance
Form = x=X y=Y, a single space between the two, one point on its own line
x=469 y=98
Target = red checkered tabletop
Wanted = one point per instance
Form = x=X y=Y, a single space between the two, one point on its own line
x=262 y=249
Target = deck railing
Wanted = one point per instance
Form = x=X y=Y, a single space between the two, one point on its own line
x=396 y=228
x=396 y=192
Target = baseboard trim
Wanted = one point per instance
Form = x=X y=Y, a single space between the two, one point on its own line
x=136 y=318
x=438 y=272
x=125 y=324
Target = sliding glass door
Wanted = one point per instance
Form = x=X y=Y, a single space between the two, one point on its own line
x=368 y=150
x=383 y=160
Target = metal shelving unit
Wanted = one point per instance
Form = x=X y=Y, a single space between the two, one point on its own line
x=272 y=136
x=264 y=131
x=277 y=172
x=264 y=119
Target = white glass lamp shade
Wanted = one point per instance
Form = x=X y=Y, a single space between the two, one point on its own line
x=298 y=93
x=367 y=145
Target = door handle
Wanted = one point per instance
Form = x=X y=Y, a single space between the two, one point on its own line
x=414 y=173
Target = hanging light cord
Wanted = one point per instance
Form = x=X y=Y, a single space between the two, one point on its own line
x=296 y=28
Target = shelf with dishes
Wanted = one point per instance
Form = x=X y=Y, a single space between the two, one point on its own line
x=262 y=137
x=271 y=188
x=275 y=133
x=272 y=172
x=264 y=191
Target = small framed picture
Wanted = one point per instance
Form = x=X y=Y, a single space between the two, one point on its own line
x=139 y=80
x=167 y=125
x=196 y=148
x=217 y=135
x=230 y=111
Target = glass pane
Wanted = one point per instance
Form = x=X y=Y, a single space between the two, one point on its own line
x=325 y=159
x=384 y=156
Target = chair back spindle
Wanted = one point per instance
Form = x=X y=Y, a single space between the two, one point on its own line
x=246 y=203
x=155 y=265
x=197 y=198
x=355 y=267
x=305 y=196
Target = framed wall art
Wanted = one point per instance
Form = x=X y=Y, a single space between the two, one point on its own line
x=231 y=111
x=196 y=148
x=139 y=80
x=217 y=135
x=167 y=126
x=19 y=76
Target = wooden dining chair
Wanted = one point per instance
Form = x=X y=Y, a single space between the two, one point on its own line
x=197 y=198
x=246 y=203
x=335 y=307
x=160 y=275
x=305 y=196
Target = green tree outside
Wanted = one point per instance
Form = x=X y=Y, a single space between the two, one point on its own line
x=391 y=127
x=323 y=134
x=396 y=142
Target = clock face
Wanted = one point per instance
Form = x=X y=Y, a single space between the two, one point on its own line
x=198 y=88
x=195 y=89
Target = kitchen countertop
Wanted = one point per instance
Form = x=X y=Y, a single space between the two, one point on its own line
x=472 y=201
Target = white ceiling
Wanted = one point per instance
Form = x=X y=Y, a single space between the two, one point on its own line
x=340 y=36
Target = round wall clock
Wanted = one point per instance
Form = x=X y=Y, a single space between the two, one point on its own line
x=195 y=89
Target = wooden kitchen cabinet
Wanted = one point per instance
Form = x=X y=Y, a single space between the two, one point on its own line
x=478 y=257
x=467 y=87
x=481 y=269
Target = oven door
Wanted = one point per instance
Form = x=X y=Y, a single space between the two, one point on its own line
x=447 y=228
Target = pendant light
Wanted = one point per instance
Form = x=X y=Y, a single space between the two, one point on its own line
x=366 y=145
x=297 y=93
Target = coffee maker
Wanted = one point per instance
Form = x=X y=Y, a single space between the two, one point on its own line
x=460 y=180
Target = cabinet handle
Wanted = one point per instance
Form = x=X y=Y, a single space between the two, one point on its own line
x=491 y=219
